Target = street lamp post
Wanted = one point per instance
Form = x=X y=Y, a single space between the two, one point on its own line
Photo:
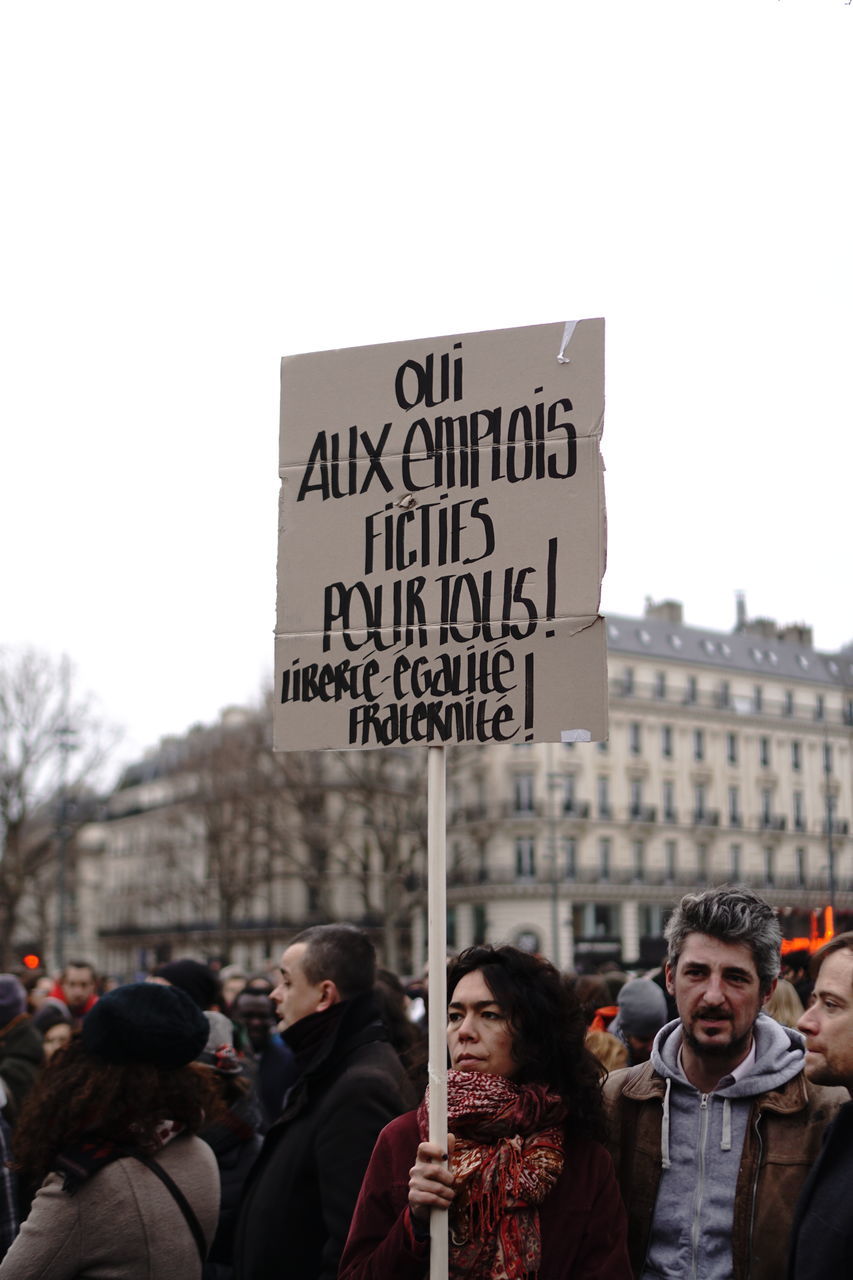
x=554 y=781
x=830 y=847
x=66 y=742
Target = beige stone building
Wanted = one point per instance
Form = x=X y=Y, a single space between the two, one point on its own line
x=728 y=759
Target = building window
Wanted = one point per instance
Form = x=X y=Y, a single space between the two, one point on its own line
x=523 y=792
x=734 y=807
x=636 y=798
x=479 y=923
x=569 y=793
x=698 y=744
x=699 y=802
x=605 y=920
x=451 y=927
x=764 y=751
x=735 y=854
x=528 y=940
x=603 y=746
x=827 y=758
x=525 y=858
x=757 y=698
x=788 y=704
x=634 y=738
x=691 y=692
x=651 y=919
x=725 y=694
x=670 y=860
x=482 y=864
x=801 y=866
x=570 y=856
x=702 y=863
x=796 y=756
x=602 y=788
x=769 y=866
x=660 y=684
x=639 y=852
x=731 y=748
x=766 y=805
x=628 y=681
x=669 y=802
x=799 y=812
x=666 y=741
x=604 y=848
x=819 y=707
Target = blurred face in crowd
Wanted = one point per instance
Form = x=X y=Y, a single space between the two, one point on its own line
x=56 y=1038
x=827 y=1024
x=40 y=992
x=231 y=988
x=479 y=1034
x=641 y=1047
x=78 y=983
x=296 y=997
x=257 y=1014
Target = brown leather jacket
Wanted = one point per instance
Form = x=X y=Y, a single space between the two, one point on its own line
x=783 y=1139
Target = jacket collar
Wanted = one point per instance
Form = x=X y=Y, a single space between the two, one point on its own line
x=644 y=1083
x=325 y=1037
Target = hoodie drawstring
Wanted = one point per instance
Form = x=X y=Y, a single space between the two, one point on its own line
x=664 y=1128
x=726 y=1143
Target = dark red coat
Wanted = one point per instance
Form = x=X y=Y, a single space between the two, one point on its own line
x=584 y=1233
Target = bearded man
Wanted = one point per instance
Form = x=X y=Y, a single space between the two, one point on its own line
x=714 y=1136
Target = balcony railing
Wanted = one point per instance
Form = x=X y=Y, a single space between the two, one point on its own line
x=542 y=880
x=513 y=810
x=576 y=809
x=731 y=703
x=584 y=810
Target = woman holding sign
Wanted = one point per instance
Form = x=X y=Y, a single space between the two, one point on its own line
x=529 y=1189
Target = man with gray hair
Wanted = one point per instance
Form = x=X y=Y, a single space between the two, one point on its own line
x=713 y=1137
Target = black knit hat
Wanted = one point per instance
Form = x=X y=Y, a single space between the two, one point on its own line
x=13 y=998
x=145 y=1022
x=199 y=982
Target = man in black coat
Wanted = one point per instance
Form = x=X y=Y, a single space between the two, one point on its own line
x=301 y=1194
x=822 y=1235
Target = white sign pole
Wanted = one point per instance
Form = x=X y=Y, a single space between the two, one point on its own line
x=437 y=955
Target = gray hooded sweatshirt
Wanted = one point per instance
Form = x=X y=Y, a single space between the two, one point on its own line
x=701 y=1144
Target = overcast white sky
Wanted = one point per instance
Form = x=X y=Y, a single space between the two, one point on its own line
x=192 y=190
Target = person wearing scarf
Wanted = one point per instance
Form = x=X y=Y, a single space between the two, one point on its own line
x=529 y=1189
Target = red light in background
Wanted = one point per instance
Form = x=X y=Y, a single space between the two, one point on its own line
x=31 y=961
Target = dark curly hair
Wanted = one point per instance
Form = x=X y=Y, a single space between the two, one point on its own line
x=548 y=1028
x=78 y=1095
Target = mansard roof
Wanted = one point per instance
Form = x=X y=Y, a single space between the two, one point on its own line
x=757 y=652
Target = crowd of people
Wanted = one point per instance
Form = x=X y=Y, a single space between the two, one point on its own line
x=692 y=1121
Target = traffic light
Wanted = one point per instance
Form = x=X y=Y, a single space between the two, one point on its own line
x=30 y=957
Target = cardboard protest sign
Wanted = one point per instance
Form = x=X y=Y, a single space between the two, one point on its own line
x=441 y=541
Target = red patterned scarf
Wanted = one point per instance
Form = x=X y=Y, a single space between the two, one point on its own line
x=508 y=1156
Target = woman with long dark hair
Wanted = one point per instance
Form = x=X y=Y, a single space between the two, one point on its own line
x=127 y=1190
x=528 y=1186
